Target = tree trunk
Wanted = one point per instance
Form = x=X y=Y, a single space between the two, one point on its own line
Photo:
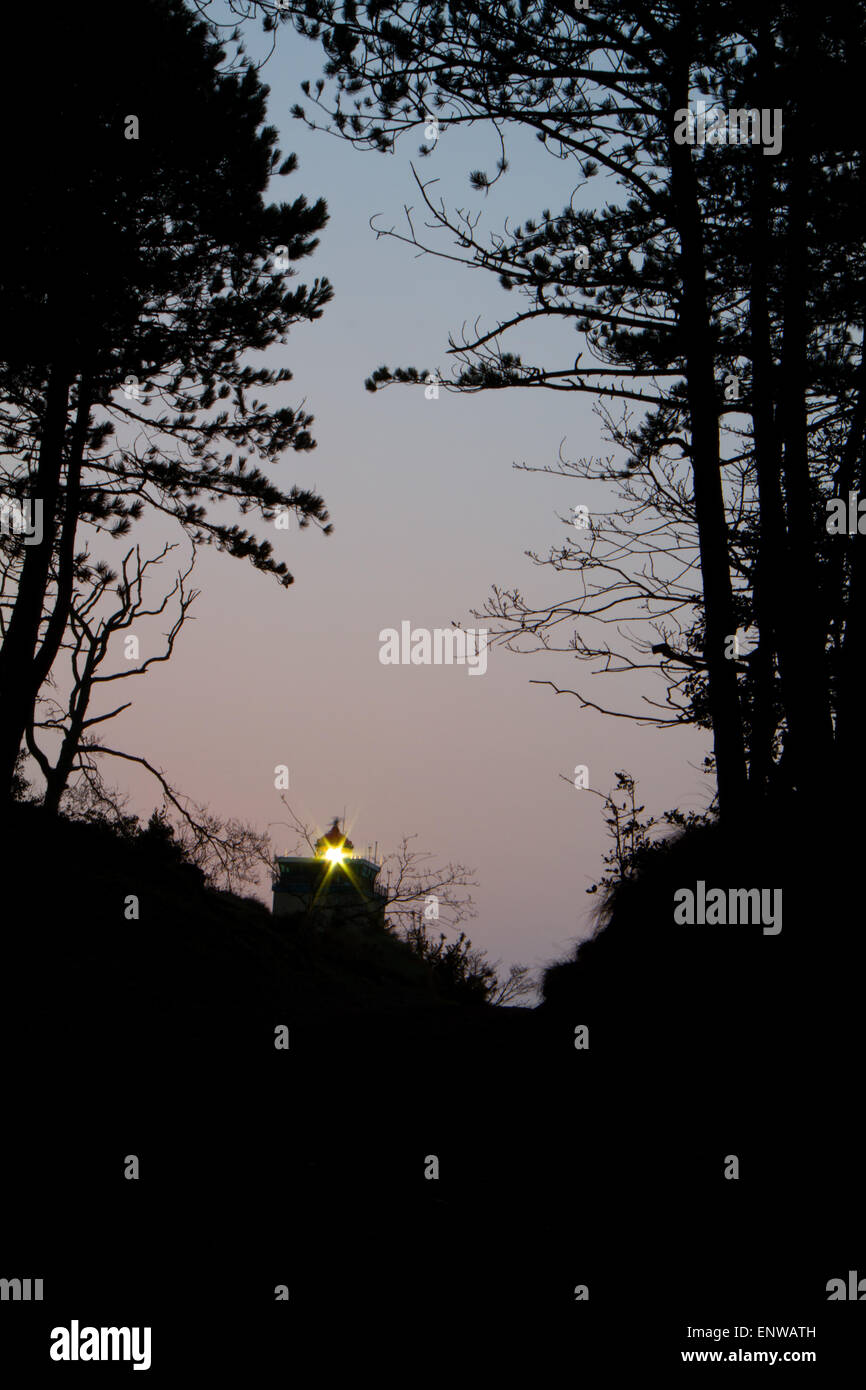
x=769 y=609
x=56 y=627
x=853 y=653
x=57 y=777
x=22 y=635
x=723 y=693
x=805 y=679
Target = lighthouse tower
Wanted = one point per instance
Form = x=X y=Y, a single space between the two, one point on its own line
x=333 y=885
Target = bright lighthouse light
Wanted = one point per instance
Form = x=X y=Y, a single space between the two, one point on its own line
x=334 y=854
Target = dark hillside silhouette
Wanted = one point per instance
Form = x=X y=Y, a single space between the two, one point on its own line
x=638 y=960
x=713 y=1040
x=703 y=1042
x=162 y=1030
x=725 y=1001
x=189 y=952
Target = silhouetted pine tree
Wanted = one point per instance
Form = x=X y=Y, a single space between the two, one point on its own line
x=142 y=262
x=717 y=260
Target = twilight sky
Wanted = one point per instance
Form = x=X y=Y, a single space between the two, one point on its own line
x=428 y=513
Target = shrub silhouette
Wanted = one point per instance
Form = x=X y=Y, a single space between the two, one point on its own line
x=185 y=951
x=706 y=1041
x=728 y=996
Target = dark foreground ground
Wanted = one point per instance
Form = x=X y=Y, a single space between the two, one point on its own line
x=305 y=1167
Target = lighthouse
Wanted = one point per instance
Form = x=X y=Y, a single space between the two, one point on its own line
x=334 y=885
